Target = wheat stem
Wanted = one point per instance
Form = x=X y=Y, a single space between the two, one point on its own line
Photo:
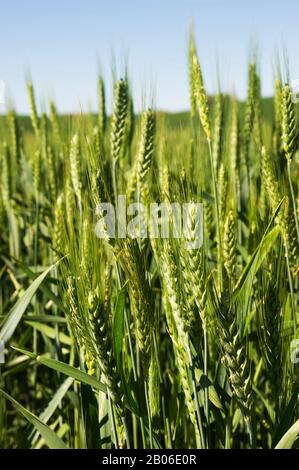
x=293 y=197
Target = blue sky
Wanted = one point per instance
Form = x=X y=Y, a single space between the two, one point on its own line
x=61 y=43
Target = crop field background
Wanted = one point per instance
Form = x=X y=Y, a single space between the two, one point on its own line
x=141 y=342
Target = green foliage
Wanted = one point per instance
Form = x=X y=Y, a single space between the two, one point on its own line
x=142 y=342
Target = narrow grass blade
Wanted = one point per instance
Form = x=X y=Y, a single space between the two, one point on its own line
x=50 y=332
x=53 y=404
x=255 y=261
x=50 y=437
x=20 y=307
x=66 y=369
x=288 y=440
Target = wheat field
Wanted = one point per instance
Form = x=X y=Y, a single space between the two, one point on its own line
x=139 y=342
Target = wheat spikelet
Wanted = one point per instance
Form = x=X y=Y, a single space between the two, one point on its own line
x=198 y=90
x=177 y=321
x=101 y=344
x=208 y=219
x=140 y=299
x=257 y=129
x=234 y=355
x=55 y=124
x=90 y=315
x=73 y=312
x=97 y=186
x=229 y=246
x=188 y=290
x=99 y=194
x=130 y=121
x=52 y=172
x=250 y=105
x=193 y=273
x=5 y=177
x=146 y=147
x=69 y=201
x=217 y=130
x=14 y=135
x=97 y=141
x=285 y=217
x=43 y=136
x=181 y=356
x=290 y=234
x=33 y=112
x=271 y=327
x=192 y=97
x=59 y=226
x=90 y=363
x=263 y=200
x=165 y=183
x=271 y=182
x=171 y=281
x=196 y=293
x=15 y=146
x=249 y=117
x=222 y=190
x=234 y=152
x=186 y=388
x=277 y=143
x=289 y=134
x=102 y=119
x=154 y=392
x=278 y=104
x=75 y=168
x=118 y=119
x=132 y=182
x=86 y=261
x=91 y=326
